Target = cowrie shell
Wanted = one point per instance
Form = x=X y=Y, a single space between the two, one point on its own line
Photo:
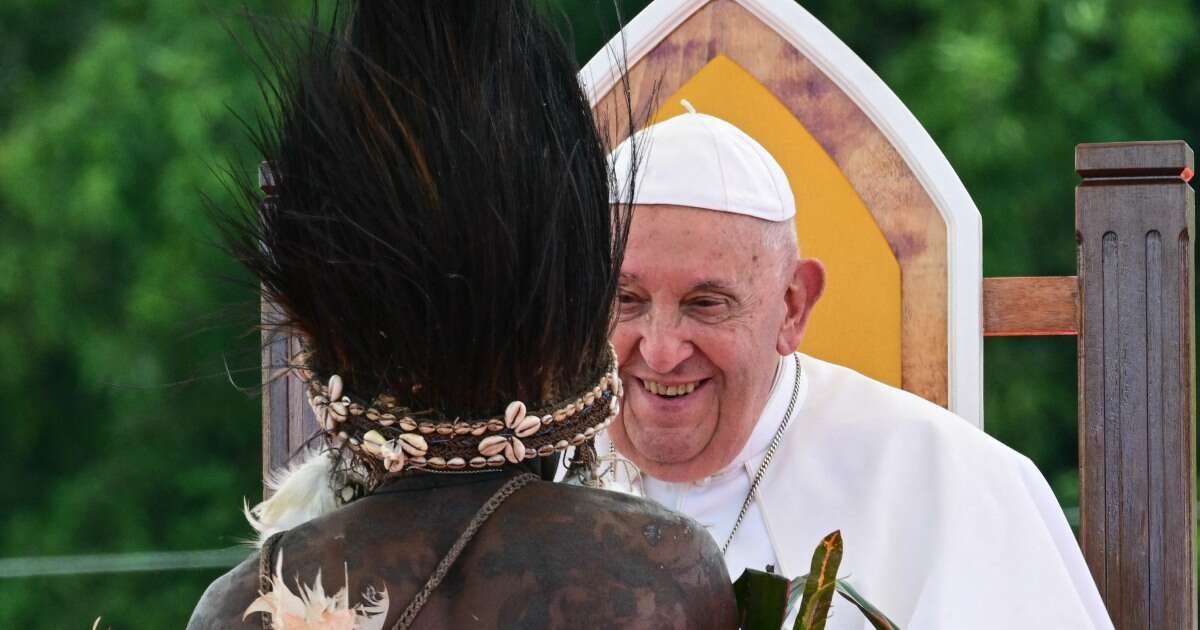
x=456 y=463
x=413 y=444
x=495 y=425
x=545 y=450
x=528 y=426
x=373 y=414
x=478 y=462
x=514 y=450
x=514 y=414
x=560 y=415
x=437 y=462
x=405 y=423
x=338 y=410
x=461 y=428
x=323 y=418
x=417 y=461
x=578 y=439
x=589 y=432
x=495 y=460
x=560 y=444
x=372 y=442
x=335 y=387
x=445 y=429
x=492 y=445
x=589 y=399
x=426 y=427
x=479 y=429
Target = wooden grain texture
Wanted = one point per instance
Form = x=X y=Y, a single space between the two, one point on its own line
x=1135 y=222
x=1135 y=159
x=899 y=204
x=276 y=412
x=1043 y=306
x=287 y=421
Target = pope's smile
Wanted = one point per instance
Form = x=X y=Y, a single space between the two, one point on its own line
x=666 y=399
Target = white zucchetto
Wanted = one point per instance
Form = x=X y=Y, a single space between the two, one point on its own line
x=701 y=161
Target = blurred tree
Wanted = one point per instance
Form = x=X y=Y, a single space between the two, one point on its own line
x=111 y=291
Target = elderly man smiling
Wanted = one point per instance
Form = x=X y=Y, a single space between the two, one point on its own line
x=944 y=527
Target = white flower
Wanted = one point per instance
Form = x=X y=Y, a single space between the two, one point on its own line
x=311 y=609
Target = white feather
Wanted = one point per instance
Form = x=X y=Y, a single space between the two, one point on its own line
x=301 y=492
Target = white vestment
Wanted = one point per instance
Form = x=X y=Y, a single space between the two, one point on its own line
x=944 y=527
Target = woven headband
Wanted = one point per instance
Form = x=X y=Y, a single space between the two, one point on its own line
x=399 y=439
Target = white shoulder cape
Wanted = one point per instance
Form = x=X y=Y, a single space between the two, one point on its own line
x=944 y=527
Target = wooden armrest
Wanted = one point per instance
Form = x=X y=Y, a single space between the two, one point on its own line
x=1041 y=306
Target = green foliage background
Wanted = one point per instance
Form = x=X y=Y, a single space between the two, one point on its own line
x=122 y=326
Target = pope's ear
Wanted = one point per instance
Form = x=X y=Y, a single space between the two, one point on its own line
x=804 y=289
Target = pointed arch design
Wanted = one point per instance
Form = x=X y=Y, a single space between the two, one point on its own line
x=917 y=201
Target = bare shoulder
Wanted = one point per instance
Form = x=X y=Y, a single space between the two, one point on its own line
x=227 y=598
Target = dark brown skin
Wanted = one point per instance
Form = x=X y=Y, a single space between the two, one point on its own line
x=552 y=556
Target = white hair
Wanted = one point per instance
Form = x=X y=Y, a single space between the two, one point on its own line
x=780 y=237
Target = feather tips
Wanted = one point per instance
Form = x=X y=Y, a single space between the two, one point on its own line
x=300 y=493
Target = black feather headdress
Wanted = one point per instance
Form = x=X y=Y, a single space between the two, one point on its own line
x=440 y=226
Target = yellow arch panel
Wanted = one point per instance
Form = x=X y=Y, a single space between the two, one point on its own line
x=857 y=321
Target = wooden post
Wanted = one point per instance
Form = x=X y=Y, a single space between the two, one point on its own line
x=287 y=421
x=1135 y=221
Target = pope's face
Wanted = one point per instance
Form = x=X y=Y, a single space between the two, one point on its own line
x=705 y=309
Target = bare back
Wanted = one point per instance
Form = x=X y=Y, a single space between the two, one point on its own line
x=552 y=556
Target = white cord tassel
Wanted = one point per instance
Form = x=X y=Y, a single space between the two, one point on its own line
x=301 y=492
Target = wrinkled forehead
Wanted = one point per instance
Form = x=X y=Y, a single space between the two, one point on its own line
x=678 y=246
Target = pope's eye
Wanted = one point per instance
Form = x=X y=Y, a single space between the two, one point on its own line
x=628 y=304
x=710 y=309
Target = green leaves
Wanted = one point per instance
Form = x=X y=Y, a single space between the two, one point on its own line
x=819 y=586
x=820 y=583
x=765 y=599
x=762 y=600
x=878 y=620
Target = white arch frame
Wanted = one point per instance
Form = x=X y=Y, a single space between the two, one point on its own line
x=964 y=229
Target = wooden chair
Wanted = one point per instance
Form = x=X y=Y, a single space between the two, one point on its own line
x=906 y=301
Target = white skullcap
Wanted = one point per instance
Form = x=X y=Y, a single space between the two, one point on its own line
x=701 y=161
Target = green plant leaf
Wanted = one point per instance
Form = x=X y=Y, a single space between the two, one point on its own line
x=820 y=584
x=878 y=620
x=761 y=600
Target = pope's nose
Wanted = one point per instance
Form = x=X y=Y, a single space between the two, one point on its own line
x=663 y=348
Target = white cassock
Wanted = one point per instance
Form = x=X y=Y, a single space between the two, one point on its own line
x=944 y=527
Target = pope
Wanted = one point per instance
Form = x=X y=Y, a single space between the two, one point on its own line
x=770 y=449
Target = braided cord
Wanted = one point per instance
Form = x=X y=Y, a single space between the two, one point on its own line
x=485 y=511
x=266 y=555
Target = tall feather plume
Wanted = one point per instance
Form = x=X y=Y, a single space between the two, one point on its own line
x=441 y=225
